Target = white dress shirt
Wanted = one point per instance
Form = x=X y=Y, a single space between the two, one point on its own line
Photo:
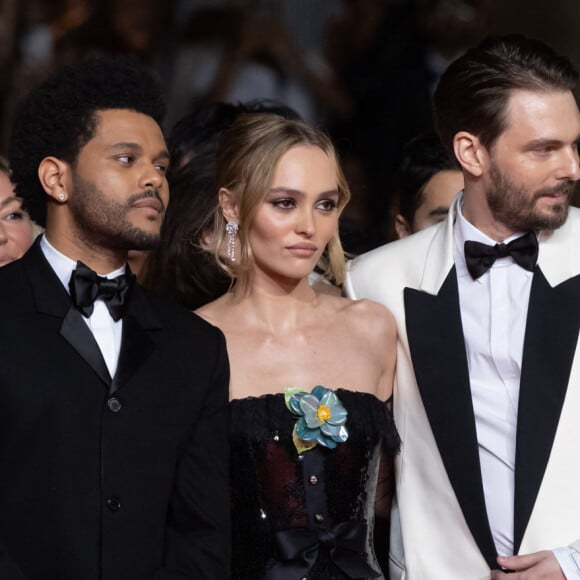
x=493 y=314
x=106 y=331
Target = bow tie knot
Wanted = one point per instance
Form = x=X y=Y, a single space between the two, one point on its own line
x=86 y=286
x=481 y=257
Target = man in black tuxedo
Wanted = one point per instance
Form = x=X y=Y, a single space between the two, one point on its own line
x=113 y=404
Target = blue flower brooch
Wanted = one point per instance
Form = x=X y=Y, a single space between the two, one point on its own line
x=321 y=418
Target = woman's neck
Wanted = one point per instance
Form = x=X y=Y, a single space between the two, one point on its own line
x=276 y=307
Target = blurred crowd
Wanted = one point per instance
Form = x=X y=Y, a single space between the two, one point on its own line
x=362 y=70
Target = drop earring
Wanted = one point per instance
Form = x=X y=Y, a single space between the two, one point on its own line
x=231 y=231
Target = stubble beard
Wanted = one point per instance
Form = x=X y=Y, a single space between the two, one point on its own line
x=103 y=223
x=516 y=208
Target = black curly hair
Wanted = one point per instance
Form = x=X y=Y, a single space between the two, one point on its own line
x=58 y=117
x=423 y=157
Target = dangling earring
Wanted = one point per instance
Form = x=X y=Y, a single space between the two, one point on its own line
x=231 y=231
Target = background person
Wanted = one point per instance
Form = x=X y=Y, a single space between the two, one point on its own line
x=180 y=267
x=429 y=180
x=17 y=231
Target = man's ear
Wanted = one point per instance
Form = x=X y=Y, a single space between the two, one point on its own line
x=402 y=227
x=54 y=175
x=228 y=201
x=470 y=153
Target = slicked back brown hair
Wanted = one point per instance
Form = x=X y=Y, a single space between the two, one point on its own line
x=473 y=92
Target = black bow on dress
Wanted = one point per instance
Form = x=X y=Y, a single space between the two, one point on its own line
x=298 y=549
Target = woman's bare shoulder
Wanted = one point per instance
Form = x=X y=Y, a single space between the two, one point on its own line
x=370 y=331
x=364 y=319
x=363 y=313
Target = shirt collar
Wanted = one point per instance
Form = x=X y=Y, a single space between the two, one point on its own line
x=63 y=265
x=464 y=231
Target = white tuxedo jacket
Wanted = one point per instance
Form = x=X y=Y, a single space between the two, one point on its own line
x=445 y=530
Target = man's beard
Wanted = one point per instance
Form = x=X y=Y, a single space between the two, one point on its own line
x=103 y=222
x=517 y=208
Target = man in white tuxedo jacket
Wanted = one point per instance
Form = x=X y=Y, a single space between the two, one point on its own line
x=487 y=303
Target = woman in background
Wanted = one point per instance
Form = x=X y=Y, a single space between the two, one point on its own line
x=311 y=373
x=17 y=231
x=180 y=268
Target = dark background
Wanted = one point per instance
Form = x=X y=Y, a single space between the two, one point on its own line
x=363 y=70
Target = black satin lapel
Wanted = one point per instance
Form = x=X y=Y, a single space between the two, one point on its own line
x=136 y=346
x=439 y=359
x=550 y=342
x=78 y=334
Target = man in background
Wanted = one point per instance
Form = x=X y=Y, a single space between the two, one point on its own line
x=429 y=180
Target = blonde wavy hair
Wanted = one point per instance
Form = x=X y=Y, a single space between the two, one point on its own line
x=247 y=157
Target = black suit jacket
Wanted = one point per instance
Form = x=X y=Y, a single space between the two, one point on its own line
x=100 y=478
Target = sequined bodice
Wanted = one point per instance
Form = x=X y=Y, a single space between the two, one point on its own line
x=308 y=515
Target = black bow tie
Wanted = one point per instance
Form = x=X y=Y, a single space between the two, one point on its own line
x=86 y=286
x=480 y=257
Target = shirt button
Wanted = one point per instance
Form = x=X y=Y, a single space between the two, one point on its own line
x=319 y=517
x=114 y=504
x=114 y=404
x=313 y=480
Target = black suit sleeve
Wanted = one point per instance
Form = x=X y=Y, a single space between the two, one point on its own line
x=198 y=541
